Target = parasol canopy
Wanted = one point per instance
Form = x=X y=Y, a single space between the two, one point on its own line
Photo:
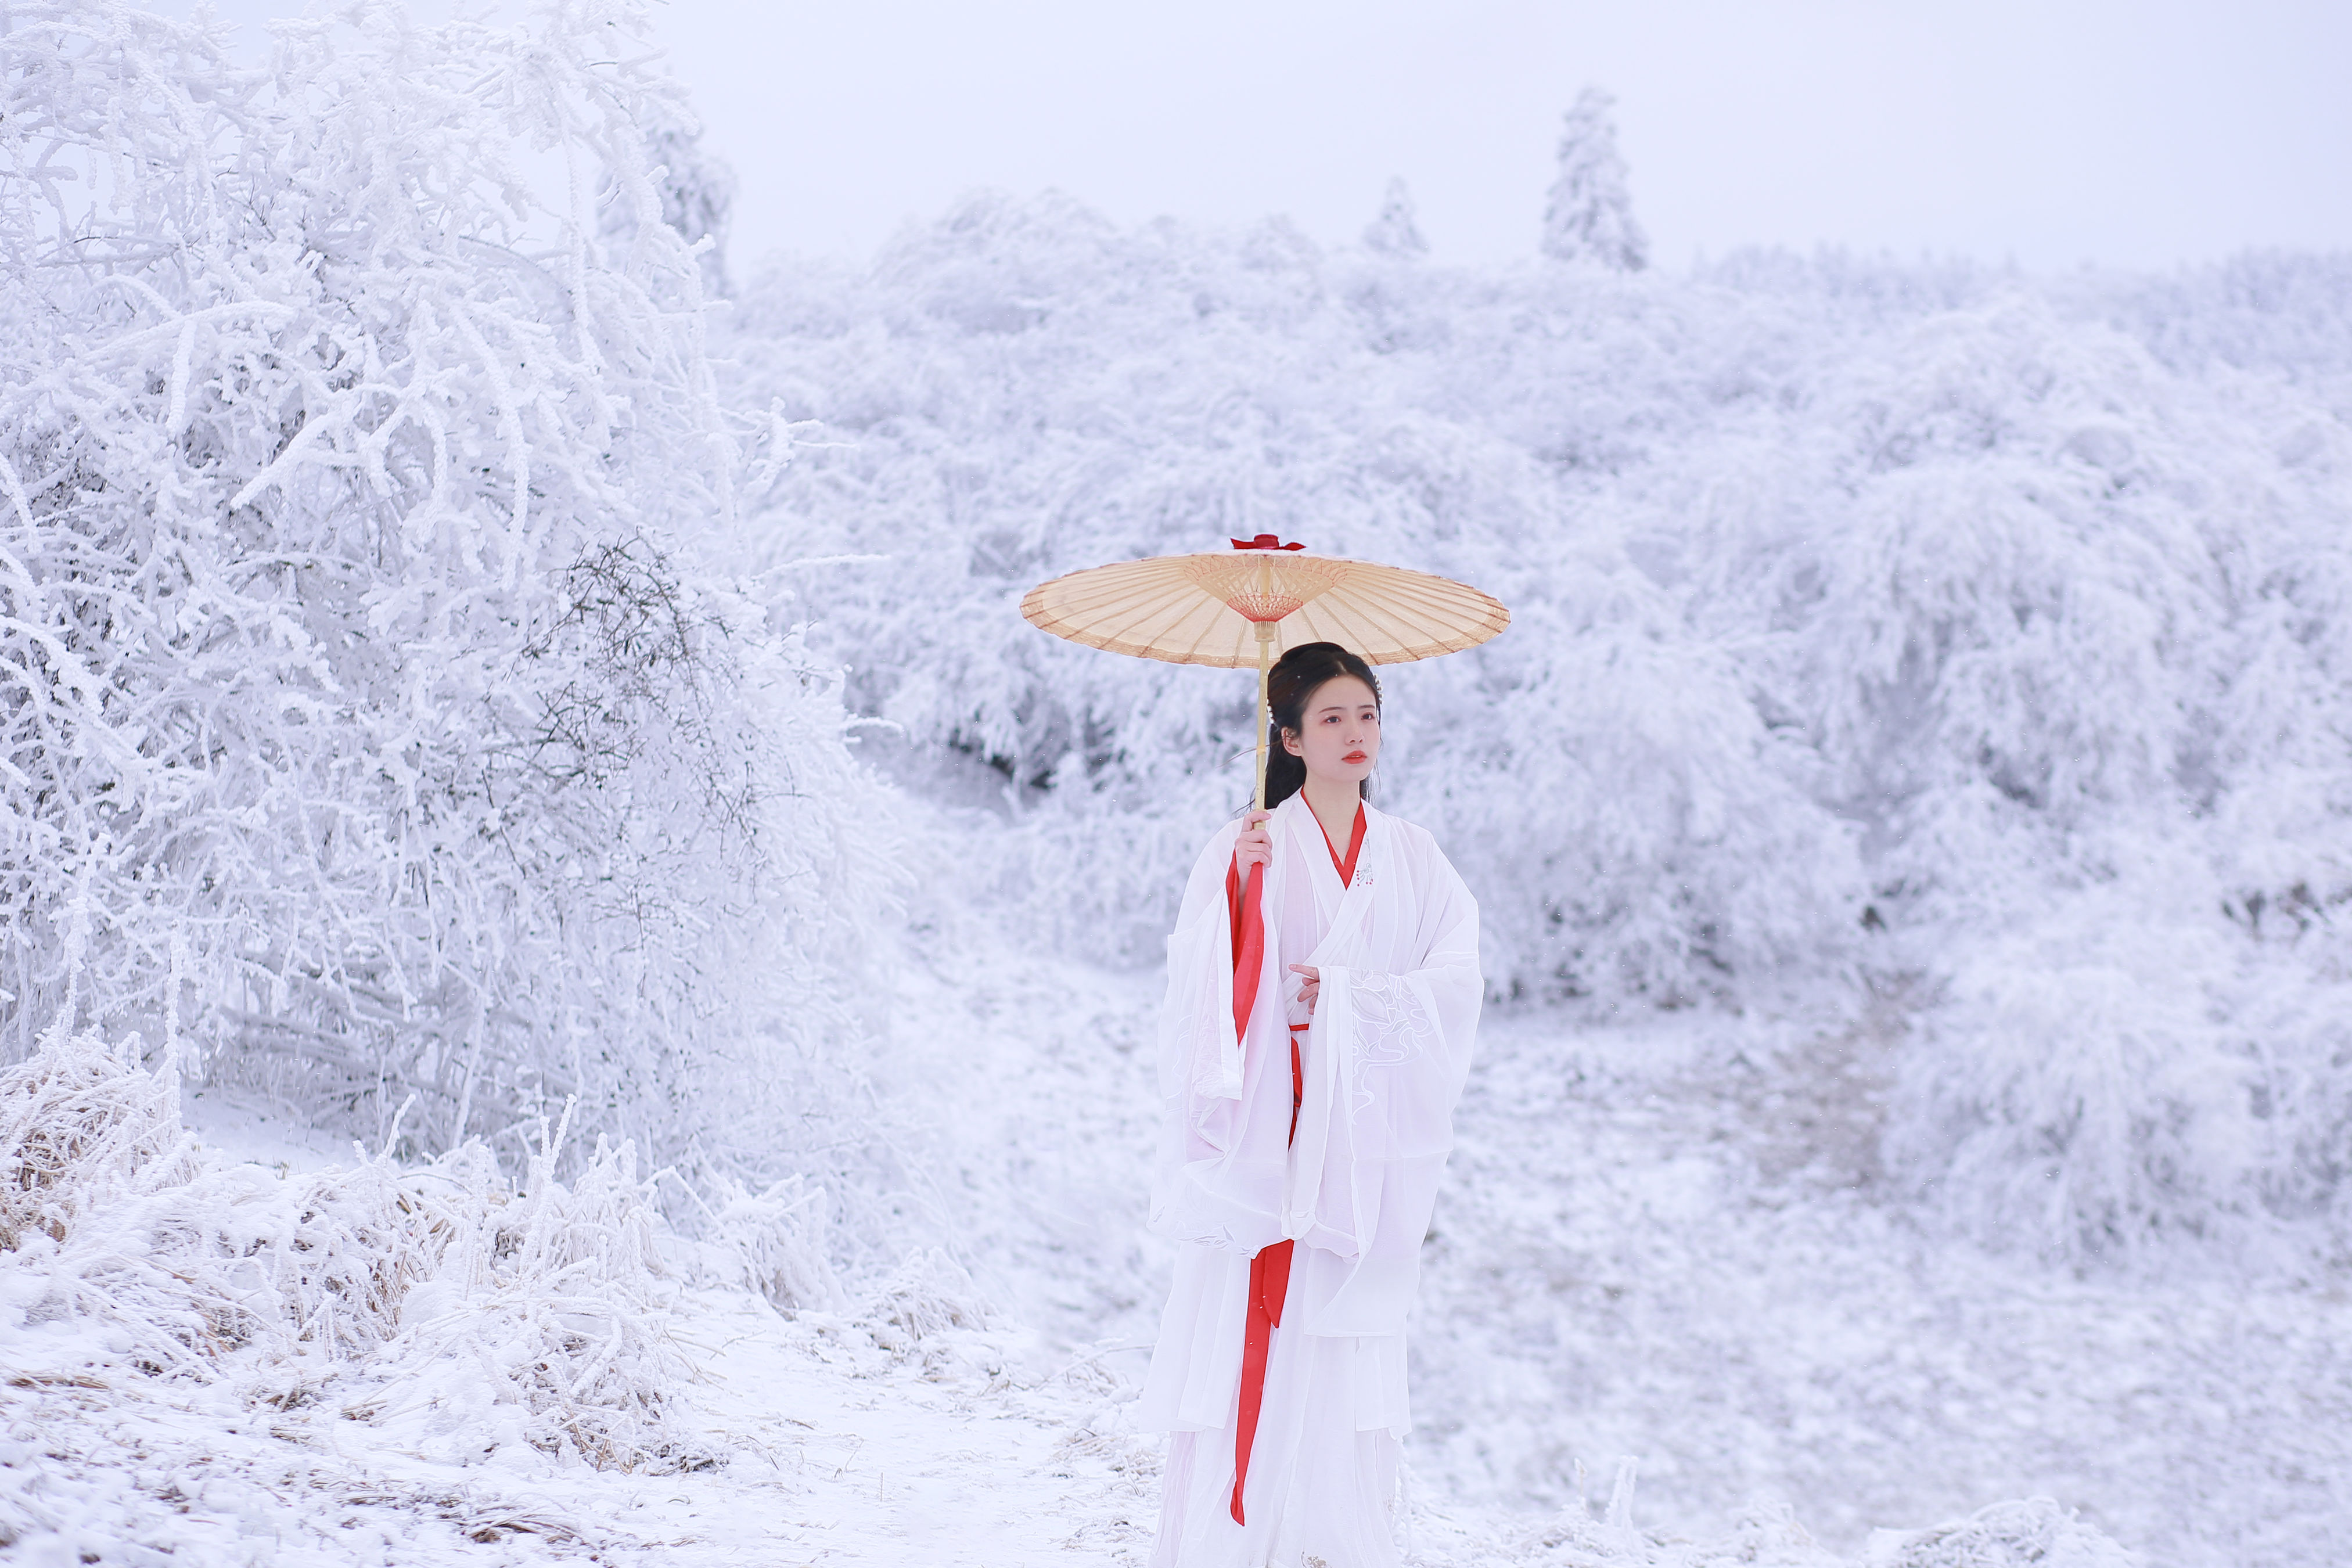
x=1253 y=605
x=1208 y=608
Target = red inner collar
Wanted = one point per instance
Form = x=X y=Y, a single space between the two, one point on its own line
x=1345 y=866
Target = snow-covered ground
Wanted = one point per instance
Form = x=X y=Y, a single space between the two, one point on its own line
x=977 y=1449
x=1654 y=1247
x=1667 y=1319
x=973 y=1446
x=832 y=1440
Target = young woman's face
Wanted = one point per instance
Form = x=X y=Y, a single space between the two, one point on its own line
x=1342 y=737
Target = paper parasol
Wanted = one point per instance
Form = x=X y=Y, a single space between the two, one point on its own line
x=1253 y=605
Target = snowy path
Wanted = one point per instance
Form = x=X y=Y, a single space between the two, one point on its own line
x=967 y=1447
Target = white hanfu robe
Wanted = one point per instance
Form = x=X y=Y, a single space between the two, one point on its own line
x=1382 y=1065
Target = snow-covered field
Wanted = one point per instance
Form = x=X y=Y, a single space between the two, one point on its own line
x=483 y=674
x=1630 y=1353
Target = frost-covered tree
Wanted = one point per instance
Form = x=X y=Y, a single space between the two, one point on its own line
x=1393 y=231
x=1908 y=630
x=377 y=715
x=1605 y=782
x=697 y=189
x=1589 y=216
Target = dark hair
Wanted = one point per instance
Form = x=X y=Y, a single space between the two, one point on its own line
x=1297 y=676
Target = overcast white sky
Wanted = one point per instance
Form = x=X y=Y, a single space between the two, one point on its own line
x=2136 y=133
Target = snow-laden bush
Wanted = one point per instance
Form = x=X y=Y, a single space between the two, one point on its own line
x=378 y=715
x=2038 y=632
x=1022 y=391
x=82 y=1129
x=2123 y=1063
x=435 y=1297
x=929 y=1293
x=777 y=1238
x=1926 y=624
x=544 y=1322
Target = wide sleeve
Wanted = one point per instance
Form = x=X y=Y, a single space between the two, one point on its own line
x=1390 y=1049
x=1221 y=1151
x=1198 y=1052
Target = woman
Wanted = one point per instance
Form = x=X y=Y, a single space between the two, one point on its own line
x=1314 y=1041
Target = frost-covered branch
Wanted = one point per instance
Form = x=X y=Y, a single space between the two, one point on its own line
x=375 y=703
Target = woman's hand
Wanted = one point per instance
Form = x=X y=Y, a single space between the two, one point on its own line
x=1255 y=846
x=1312 y=988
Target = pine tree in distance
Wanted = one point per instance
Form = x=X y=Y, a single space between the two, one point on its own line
x=1394 y=232
x=1590 y=215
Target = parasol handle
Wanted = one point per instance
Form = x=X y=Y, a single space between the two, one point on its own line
x=1265 y=654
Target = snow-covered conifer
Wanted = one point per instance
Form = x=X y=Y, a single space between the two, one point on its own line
x=1394 y=232
x=1589 y=215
